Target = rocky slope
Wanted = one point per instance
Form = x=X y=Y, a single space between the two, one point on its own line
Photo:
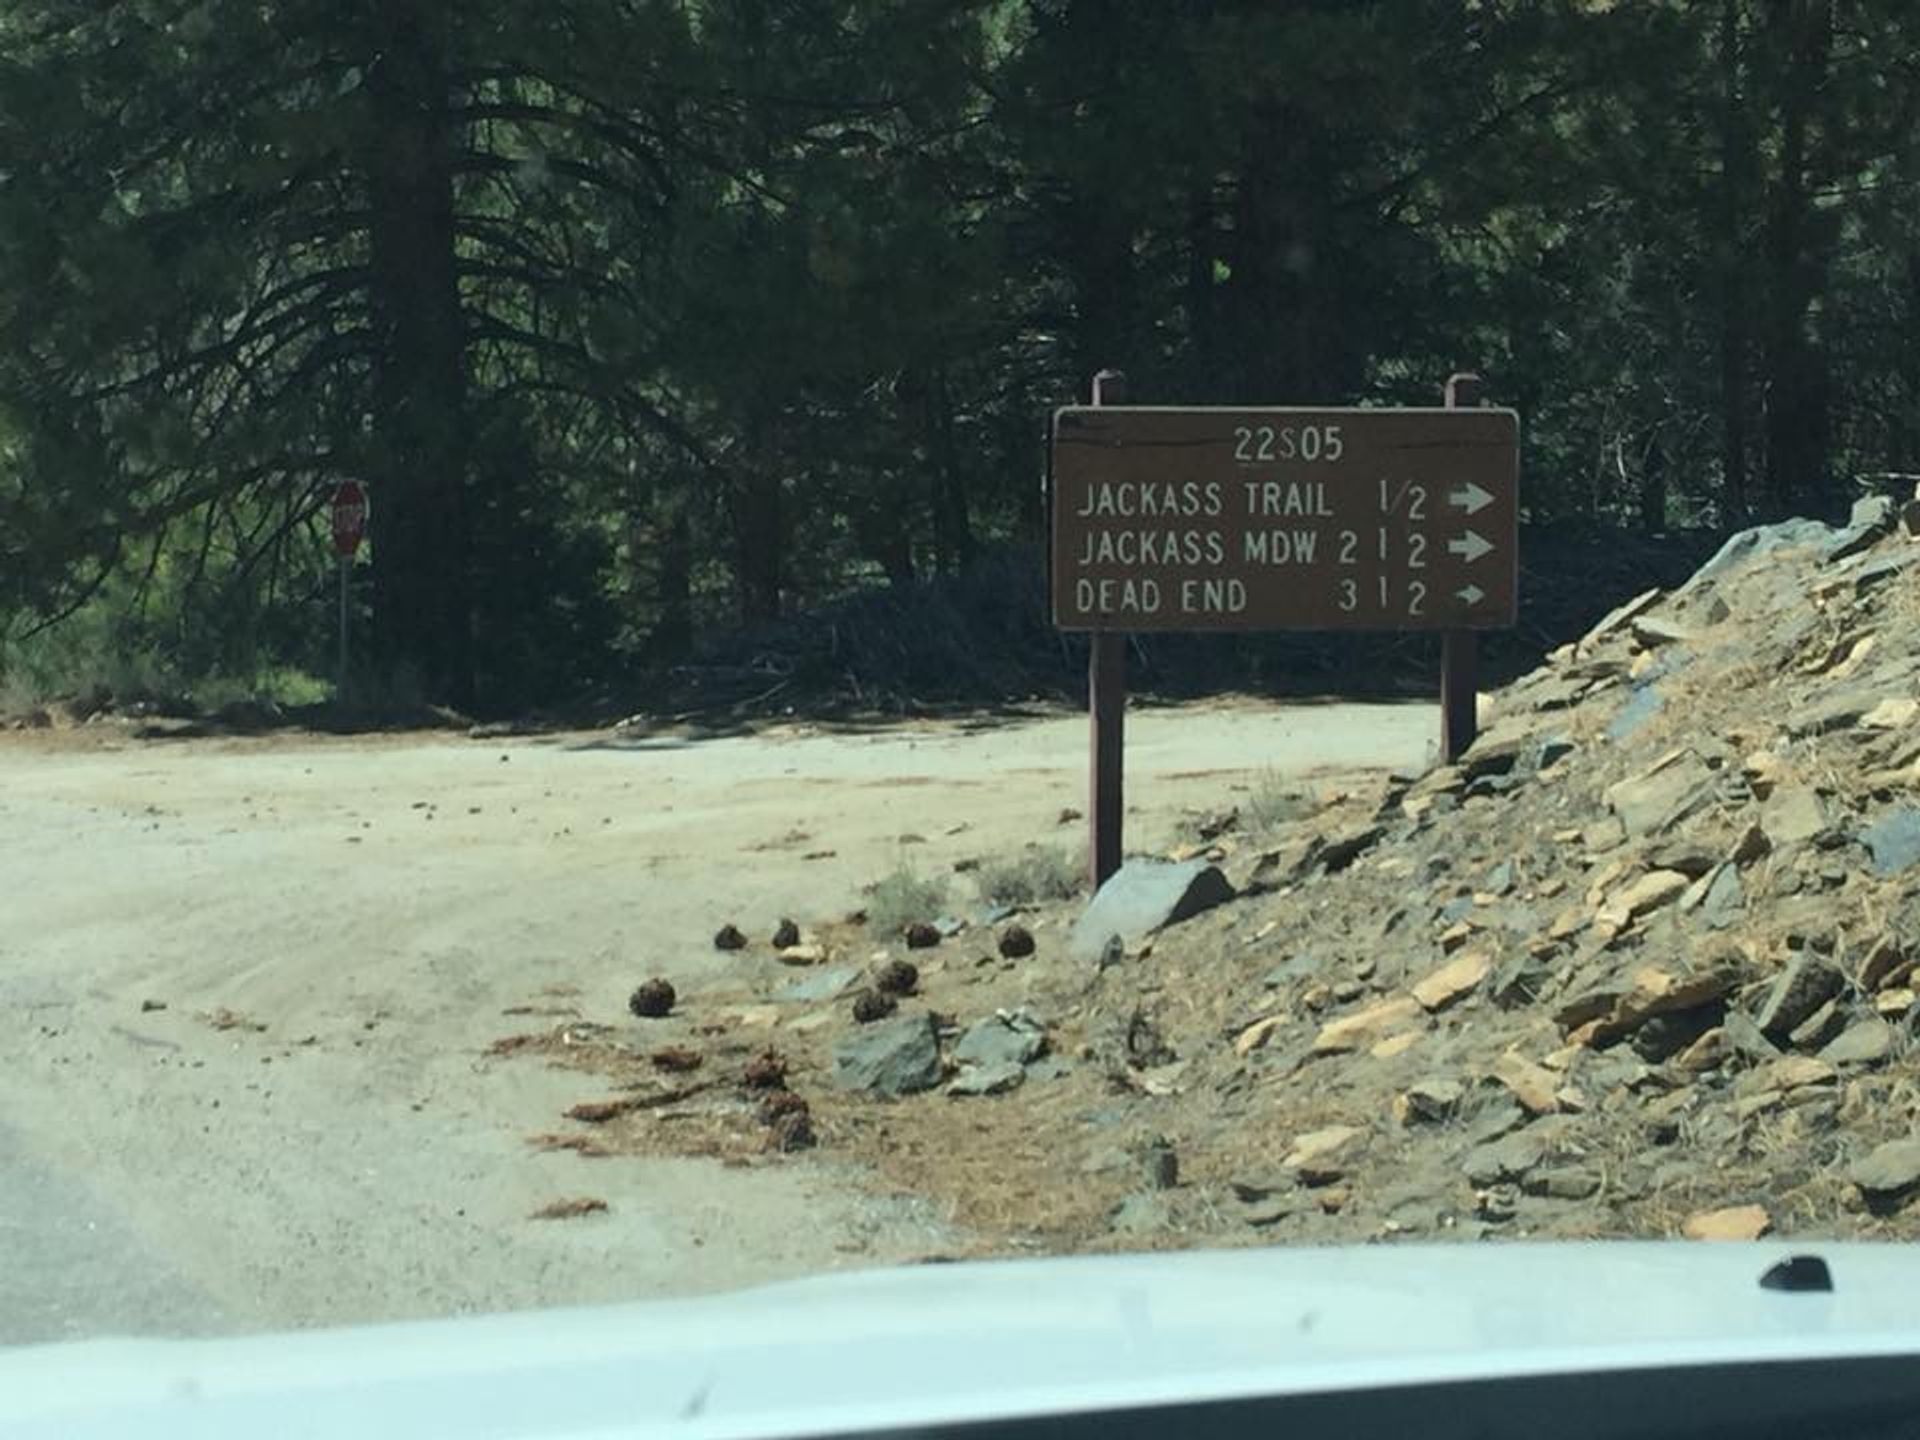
x=1641 y=964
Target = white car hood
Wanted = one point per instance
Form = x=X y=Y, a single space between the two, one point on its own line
x=936 y=1344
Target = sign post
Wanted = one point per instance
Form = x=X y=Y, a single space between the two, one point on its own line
x=349 y=528
x=1459 y=648
x=1242 y=519
x=1107 y=707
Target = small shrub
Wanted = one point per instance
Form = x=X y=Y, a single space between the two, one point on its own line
x=1036 y=874
x=905 y=897
x=1274 y=803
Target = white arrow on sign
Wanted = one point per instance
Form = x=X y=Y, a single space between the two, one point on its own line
x=1472 y=594
x=1470 y=545
x=1471 y=499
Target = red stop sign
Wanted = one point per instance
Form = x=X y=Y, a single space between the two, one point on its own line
x=349 y=517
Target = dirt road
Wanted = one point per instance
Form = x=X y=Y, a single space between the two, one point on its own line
x=309 y=1132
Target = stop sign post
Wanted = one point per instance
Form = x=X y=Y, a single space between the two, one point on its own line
x=349 y=529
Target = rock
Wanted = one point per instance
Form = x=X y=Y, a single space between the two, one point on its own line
x=1642 y=704
x=1820 y=1027
x=1889 y=1172
x=1888 y=962
x=1369 y=1026
x=1619 y=617
x=1747 y=545
x=802 y=955
x=893 y=1057
x=675 y=1059
x=1140 y=1215
x=147 y=1007
x=1660 y=797
x=872 y=1005
x=1807 y=983
x=1643 y=896
x=823 y=985
x=1735 y=1222
x=1500 y=879
x=1894 y=713
x=1893 y=840
x=729 y=937
x=1651 y=631
x=1456 y=978
x=1895 y=1002
x=1563 y=1182
x=1788 y=1073
x=1873 y=516
x=1428 y=1102
x=1256 y=1035
x=988 y=1079
x=897 y=977
x=1534 y=1086
x=1751 y=846
x=1709 y=1051
x=922 y=936
x=792 y=1132
x=786 y=933
x=1143 y=896
x=652 y=999
x=1830 y=713
x=1007 y=1038
x=1016 y=942
x=1162 y=1163
x=1862 y=1043
x=1793 y=814
x=766 y=1071
x=1505 y=1159
x=1725 y=897
x=1321 y=1157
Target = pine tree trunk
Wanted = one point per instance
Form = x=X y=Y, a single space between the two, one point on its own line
x=422 y=599
x=1798 y=417
x=1735 y=170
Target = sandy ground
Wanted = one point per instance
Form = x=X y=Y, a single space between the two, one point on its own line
x=376 y=905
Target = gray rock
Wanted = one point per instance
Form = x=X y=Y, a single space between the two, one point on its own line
x=1873 y=516
x=1642 y=704
x=1499 y=880
x=1820 y=1027
x=1494 y=1121
x=994 y=1079
x=1561 y=1182
x=1860 y=1044
x=892 y=1057
x=1746 y=1037
x=1141 y=897
x=1551 y=751
x=1141 y=1215
x=1893 y=840
x=1792 y=814
x=829 y=984
x=1756 y=541
x=1724 y=900
x=1009 y=1038
x=1832 y=712
x=1505 y=1159
x=1890 y=1170
x=1651 y=802
x=1807 y=983
x=1051 y=1068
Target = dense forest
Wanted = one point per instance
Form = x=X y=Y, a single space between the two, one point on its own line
x=639 y=319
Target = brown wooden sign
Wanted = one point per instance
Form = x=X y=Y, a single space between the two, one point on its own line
x=1284 y=519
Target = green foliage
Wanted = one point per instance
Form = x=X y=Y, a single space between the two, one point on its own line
x=642 y=317
x=904 y=897
x=1273 y=802
x=1036 y=875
